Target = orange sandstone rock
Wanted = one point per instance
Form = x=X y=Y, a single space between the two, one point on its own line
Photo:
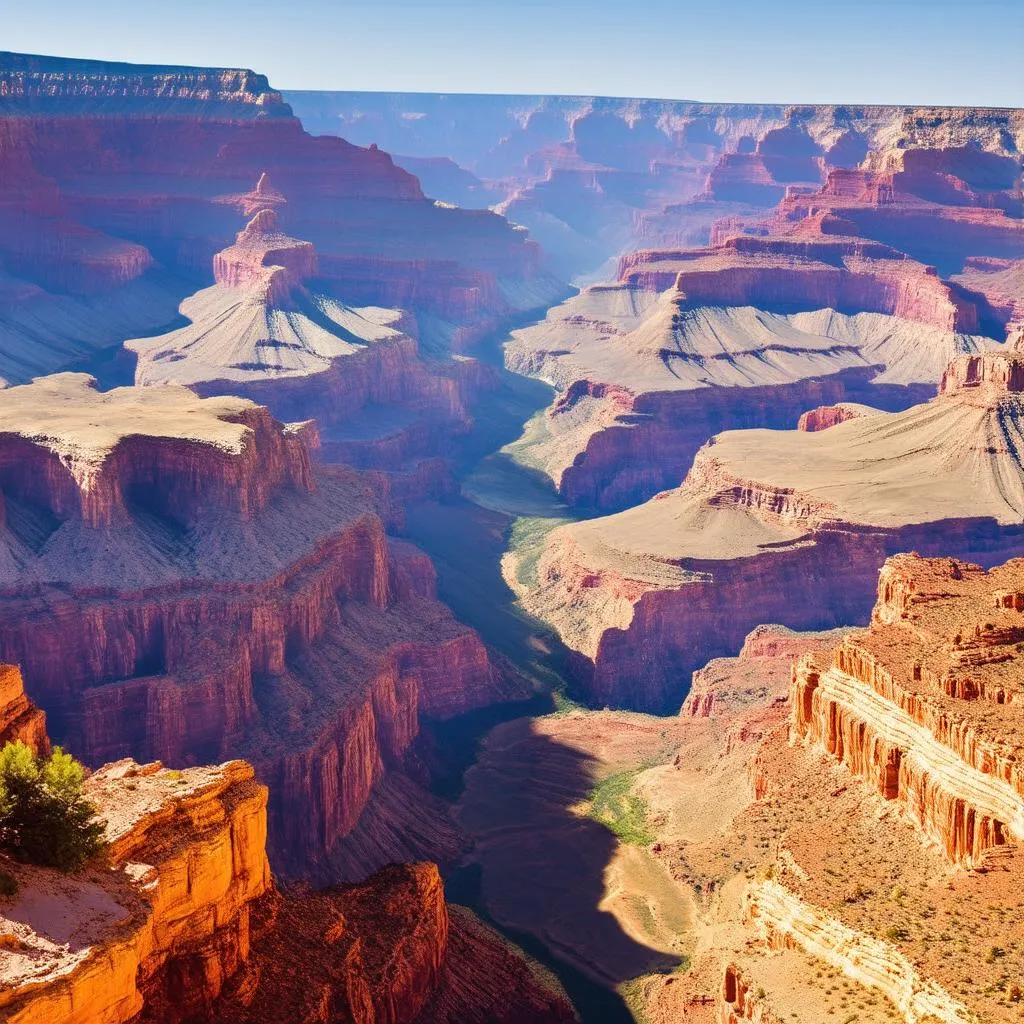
x=20 y=720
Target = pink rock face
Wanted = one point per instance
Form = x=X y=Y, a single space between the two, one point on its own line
x=943 y=226
x=265 y=260
x=42 y=240
x=205 y=597
x=318 y=675
x=826 y=416
x=805 y=273
x=659 y=435
x=991 y=371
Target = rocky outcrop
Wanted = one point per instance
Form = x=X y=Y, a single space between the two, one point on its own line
x=187 y=852
x=991 y=374
x=84 y=457
x=184 y=923
x=272 y=330
x=20 y=720
x=826 y=416
x=181 y=584
x=265 y=260
x=781 y=526
x=786 y=275
x=900 y=704
x=739 y=1003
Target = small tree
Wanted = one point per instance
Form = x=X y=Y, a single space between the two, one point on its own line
x=44 y=817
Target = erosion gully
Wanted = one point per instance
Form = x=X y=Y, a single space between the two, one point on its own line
x=466 y=537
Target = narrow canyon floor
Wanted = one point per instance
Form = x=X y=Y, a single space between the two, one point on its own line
x=559 y=858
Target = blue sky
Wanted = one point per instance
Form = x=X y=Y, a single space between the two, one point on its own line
x=897 y=51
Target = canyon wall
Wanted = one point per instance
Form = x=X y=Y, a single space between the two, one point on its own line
x=215 y=595
x=843 y=811
x=914 y=726
x=781 y=526
x=165 y=901
x=183 y=922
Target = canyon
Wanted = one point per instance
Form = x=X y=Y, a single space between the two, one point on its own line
x=203 y=592
x=342 y=539
x=184 y=922
x=784 y=526
x=829 y=827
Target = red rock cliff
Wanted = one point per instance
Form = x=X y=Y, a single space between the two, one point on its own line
x=904 y=704
x=233 y=603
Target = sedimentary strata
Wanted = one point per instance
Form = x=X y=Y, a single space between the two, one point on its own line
x=786 y=526
x=179 y=583
x=183 y=922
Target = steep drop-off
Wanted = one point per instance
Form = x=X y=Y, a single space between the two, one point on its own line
x=182 y=922
x=786 y=526
x=179 y=582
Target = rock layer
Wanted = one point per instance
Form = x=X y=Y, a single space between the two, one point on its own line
x=647 y=373
x=902 y=705
x=169 y=904
x=782 y=526
x=184 y=923
x=200 y=591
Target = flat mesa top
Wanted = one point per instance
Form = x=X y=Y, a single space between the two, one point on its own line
x=37 y=85
x=45 y=64
x=68 y=415
x=952 y=458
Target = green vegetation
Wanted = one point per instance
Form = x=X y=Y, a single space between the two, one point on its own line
x=526 y=542
x=614 y=805
x=8 y=884
x=44 y=818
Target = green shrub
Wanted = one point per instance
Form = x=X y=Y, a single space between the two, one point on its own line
x=44 y=818
x=8 y=884
x=613 y=804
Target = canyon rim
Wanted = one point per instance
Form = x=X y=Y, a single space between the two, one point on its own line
x=494 y=557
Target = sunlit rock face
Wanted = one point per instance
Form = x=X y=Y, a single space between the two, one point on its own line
x=784 y=526
x=183 y=921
